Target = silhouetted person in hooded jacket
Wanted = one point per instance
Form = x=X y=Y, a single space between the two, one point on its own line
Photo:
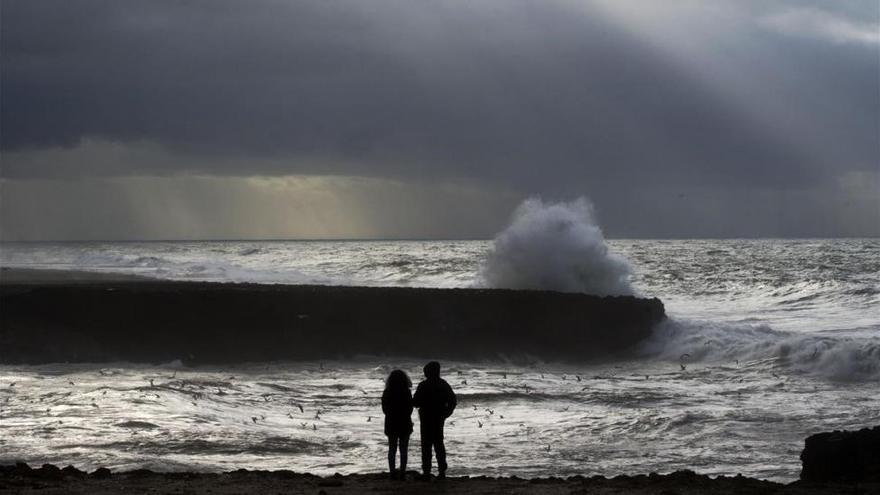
x=397 y=404
x=436 y=401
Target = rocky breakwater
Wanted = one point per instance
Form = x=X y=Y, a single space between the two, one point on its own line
x=159 y=321
x=842 y=456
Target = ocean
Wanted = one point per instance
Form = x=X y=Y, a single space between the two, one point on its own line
x=767 y=341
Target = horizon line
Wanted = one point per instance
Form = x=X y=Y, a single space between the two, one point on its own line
x=420 y=239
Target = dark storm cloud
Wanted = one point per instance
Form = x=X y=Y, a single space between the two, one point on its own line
x=545 y=96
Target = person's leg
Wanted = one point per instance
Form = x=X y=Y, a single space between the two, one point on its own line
x=404 y=451
x=440 y=448
x=392 y=452
x=425 y=430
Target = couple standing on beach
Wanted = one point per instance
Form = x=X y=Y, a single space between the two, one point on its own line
x=435 y=400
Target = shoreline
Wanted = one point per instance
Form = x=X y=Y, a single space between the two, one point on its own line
x=50 y=479
x=52 y=276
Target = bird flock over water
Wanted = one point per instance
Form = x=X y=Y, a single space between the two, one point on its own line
x=309 y=414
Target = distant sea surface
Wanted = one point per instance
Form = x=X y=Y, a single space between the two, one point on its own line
x=768 y=341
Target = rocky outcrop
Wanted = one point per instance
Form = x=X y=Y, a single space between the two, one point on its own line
x=842 y=456
x=217 y=323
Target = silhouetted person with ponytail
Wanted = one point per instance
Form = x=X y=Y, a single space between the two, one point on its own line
x=397 y=404
x=436 y=401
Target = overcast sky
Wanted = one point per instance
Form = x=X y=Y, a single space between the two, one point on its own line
x=400 y=118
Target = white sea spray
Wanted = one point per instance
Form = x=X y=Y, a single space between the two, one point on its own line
x=556 y=246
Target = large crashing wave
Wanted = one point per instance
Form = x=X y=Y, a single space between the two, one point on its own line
x=556 y=246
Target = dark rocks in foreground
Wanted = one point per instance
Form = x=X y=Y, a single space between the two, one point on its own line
x=158 y=321
x=842 y=456
x=49 y=479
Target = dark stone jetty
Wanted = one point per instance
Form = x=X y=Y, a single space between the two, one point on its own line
x=202 y=323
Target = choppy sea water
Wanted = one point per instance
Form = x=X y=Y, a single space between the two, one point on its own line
x=782 y=339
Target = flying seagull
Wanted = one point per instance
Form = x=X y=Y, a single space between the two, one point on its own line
x=681 y=361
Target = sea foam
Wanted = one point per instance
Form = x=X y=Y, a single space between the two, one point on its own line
x=831 y=355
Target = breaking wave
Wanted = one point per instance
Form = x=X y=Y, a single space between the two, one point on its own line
x=830 y=355
x=556 y=246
